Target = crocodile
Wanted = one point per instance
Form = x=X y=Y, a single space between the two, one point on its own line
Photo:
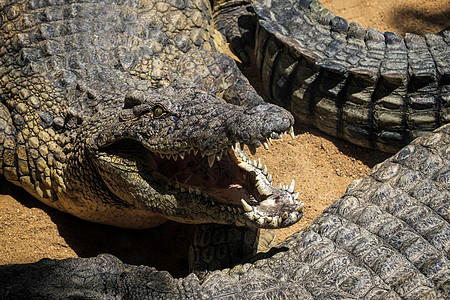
x=96 y=123
x=79 y=127
x=372 y=89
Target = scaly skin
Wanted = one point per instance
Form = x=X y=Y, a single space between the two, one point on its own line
x=372 y=89
x=388 y=237
x=119 y=114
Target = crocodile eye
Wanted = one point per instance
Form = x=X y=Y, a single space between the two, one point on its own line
x=158 y=111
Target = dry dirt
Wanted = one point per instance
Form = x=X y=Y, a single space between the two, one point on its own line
x=321 y=166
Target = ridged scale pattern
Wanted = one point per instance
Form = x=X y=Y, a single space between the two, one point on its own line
x=388 y=237
x=372 y=89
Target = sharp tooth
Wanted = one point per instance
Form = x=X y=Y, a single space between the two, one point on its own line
x=254 y=163
x=229 y=209
x=266 y=146
x=280 y=187
x=259 y=220
x=260 y=166
x=284 y=187
x=291 y=132
x=270 y=140
x=269 y=219
x=269 y=177
x=300 y=207
x=191 y=190
x=219 y=156
x=296 y=196
x=265 y=170
x=174 y=157
x=197 y=191
x=211 y=159
x=235 y=210
x=285 y=215
x=294 y=217
x=195 y=151
x=252 y=148
x=162 y=155
x=182 y=154
x=276 y=221
x=291 y=186
x=202 y=154
x=246 y=206
x=237 y=146
x=182 y=189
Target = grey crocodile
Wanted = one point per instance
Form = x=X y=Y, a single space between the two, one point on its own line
x=372 y=89
x=108 y=134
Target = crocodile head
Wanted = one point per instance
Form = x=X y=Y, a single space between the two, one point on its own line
x=178 y=153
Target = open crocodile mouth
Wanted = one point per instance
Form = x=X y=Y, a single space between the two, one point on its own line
x=228 y=183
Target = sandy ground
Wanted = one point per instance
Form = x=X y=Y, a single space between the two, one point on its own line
x=321 y=166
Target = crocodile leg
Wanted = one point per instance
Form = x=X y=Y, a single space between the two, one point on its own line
x=237 y=22
x=216 y=247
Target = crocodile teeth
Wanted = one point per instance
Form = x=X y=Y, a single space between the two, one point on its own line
x=252 y=148
x=246 y=206
x=259 y=220
x=266 y=146
x=270 y=140
x=291 y=186
x=197 y=191
x=291 y=132
x=259 y=166
x=191 y=190
x=285 y=215
x=269 y=177
x=211 y=159
x=300 y=207
x=195 y=151
x=294 y=217
x=237 y=146
x=265 y=170
x=182 y=154
x=219 y=156
x=296 y=196
x=174 y=157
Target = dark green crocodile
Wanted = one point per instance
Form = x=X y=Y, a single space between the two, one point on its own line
x=108 y=108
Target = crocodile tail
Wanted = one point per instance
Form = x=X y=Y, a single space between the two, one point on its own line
x=375 y=90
